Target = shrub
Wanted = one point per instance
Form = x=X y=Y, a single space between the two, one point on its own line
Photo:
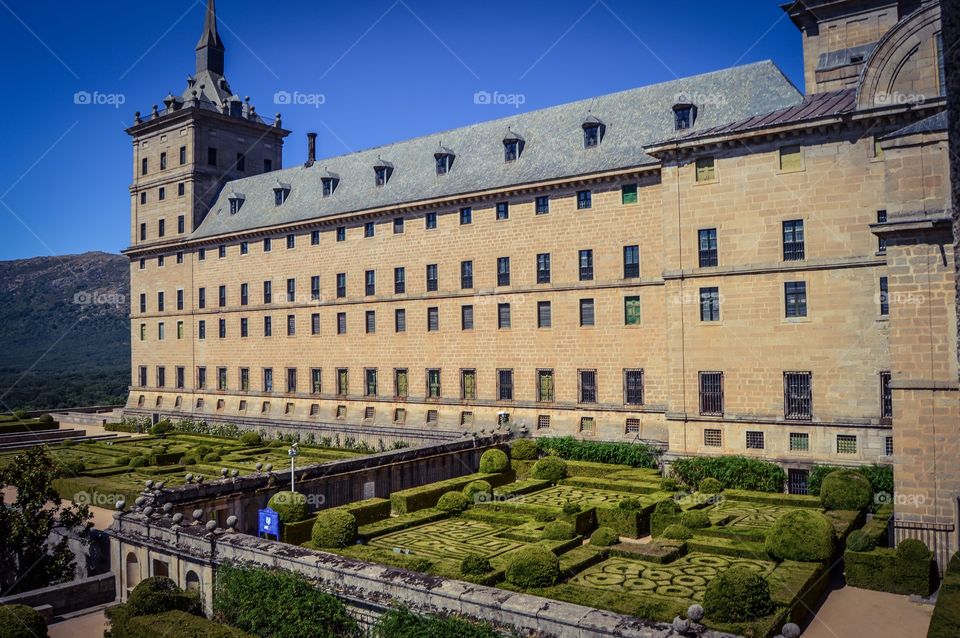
x=882 y=569
x=860 y=541
x=403 y=623
x=161 y=428
x=551 y=468
x=158 y=594
x=802 y=535
x=212 y=457
x=474 y=565
x=665 y=513
x=453 y=502
x=477 y=487
x=523 y=450
x=70 y=467
x=677 y=533
x=846 y=490
x=946 y=615
x=20 y=415
x=139 y=461
x=632 y=454
x=880 y=477
x=631 y=504
x=172 y=624
x=669 y=484
x=202 y=450
x=695 y=519
x=189 y=459
x=604 y=537
x=544 y=516
x=571 y=509
x=291 y=507
x=733 y=472
x=737 y=595
x=251 y=439
x=533 y=567
x=494 y=462
x=46 y=419
x=710 y=485
x=912 y=549
x=334 y=529
x=21 y=621
x=558 y=531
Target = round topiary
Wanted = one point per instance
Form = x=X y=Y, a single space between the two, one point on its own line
x=550 y=468
x=523 y=450
x=201 y=451
x=667 y=508
x=157 y=594
x=912 y=549
x=474 y=488
x=453 y=502
x=571 y=509
x=189 y=459
x=474 y=565
x=138 y=461
x=20 y=621
x=846 y=490
x=161 y=428
x=604 y=537
x=45 y=418
x=710 y=485
x=494 y=462
x=334 y=529
x=558 y=531
x=737 y=594
x=251 y=438
x=212 y=457
x=860 y=541
x=677 y=533
x=695 y=519
x=801 y=534
x=291 y=507
x=533 y=566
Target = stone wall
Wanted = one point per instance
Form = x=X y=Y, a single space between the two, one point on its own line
x=67 y=598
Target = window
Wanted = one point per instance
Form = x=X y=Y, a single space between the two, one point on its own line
x=633 y=387
x=211 y=156
x=143 y=200
x=400 y=320
x=399 y=415
x=799 y=442
x=244 y=248
x=886 y=398
x=587 y=424
x=160 y=331
x=712 y=437
x=584 y=200
x=160 y=301
x=511 y=150
x=315 y=288
x=370 y=382
x=201 y=378
x=503 y=210
x=503 y=316
x=881 y=240
x=432 y=417
x=398 y=225
x=682 y=117
x=755 y=440
x=342 y=382
x=588 y=386
x=587 y=317
x=433 y=383
x=144 y=164
x=884 y=297
x=877 y=148
x=401 y=384
x=291 y=242
x=341 y=233
x=591 y=135
x=143 y=332
x=380 y=175
x=183 y=155
x=245 y=379
x=268 y=379
x=223 y=328
x=267 y=292
x=244 y=294
x=795 y=293
x=466 y=317
x=181 y=189
x=709 y=304
x=221 y=252
x=466 y=216
x=628 y=194
x=268 y=326
x=542 y=205
x=505 y=385
x=631 y=310
x=706 y=169
x=369 y=283
x=432 y=283
x=631 y=262
x=341 y=323
x=341 y=412
x=291 y=380
x=162 y=377
x=888 y=446
x=369 y=229
x=711 y=393
x=793 y=246
x=466 y=275
x=161 y=195
x=941 y=68
x=586 y=265
x=180 y=299
x=143 y=301
x=433 y=319
x=314 y=237
x=291 y=290
x=399 y=280
x=443 y=163
x=545 y=388
x=543 y=422
x=267 y=244
x=631 y=426
x=328 y=184
x=708 y=247
x=202 y=329
x=241 y=162
x=846 y=444
x=543 y=268
x=341 y=285
x=430 y=221
x=280 y=196
x=179 y=256
x=315 y=323
x=544 y=314
x=791 y=158
x=503 y=271
x=371 y=322
x=468 y=384
x=316 y=378
x=797 y=395
x=179 y=374
x=244 y=328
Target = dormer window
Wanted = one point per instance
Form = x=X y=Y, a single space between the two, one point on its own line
x=280 y=193
x=236 y=202
x=593 y=130
x=381 y=172
x=512 y=146
x=329 y=181
x=444 y=157
x=684 y=113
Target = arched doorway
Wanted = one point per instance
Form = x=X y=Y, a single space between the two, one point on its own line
x=193 y=581
x=132 y=571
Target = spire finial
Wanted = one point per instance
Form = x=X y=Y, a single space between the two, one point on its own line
x=210 y=48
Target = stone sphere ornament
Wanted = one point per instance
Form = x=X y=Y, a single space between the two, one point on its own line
x=259 y=466
x=188 y=478
x=223 y=472
x=139 y=501
x=232 y=522
x=695 y=613
x=167 y=507
x=269 y=467
x=200 y=478
x=119 y=505
x=148 y=511
x=160 y=485
x=197 y=514
x=211 y=526
x=790 y=630
x=234 y=473
x=177 y=518
x=149 y=483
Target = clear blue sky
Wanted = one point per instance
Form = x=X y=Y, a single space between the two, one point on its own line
x=387 y=70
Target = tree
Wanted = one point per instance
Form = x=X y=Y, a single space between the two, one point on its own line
x=27 y=560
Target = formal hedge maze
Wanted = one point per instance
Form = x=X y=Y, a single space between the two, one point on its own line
x=452 y=539
x=748 y=515
x=685 y=578
x=583 y=496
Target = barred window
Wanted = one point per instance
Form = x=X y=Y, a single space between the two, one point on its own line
x=503 y=271
x=400 y=320
x=544 y=314
x=633 y=387
x=545 y=386
x=466 y=274
x=543 y=422
x=314 y=409
x=586 y=265
x=543 y=268
x=587 y=315
x=341 y=285
x=710 y=304
x=432 y=276
x=433 y=319
x=886 y=397
x=503 y=316
x=371 y=321
x=505 y=385
x=712 y=437
x=711 y=393
x=631 y=262
x=433 y=383
x=432 y=417
x=888 y=446
x=468 y=384
x=708 y=247
x=466 y=317
x=341 y=412
x=798 y=395
x=399 y=415
x=795 y=295
x=315 y=323
x=846 y=444
x=881 y=240
x=341 y=323
x=755 y=440
x=466 y=418
x=793 y=242
x=588 y=386
x=587 y=424
x=370 y=283
x=799 y=442
x=632 y=426
x=884 y=297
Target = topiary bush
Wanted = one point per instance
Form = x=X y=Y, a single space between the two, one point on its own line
x=550 y=468
x=677 y=533
x=158 y=594
x=474 y=565
x=251 y=438
x=695 y=519
x=846 y=490
x=604 y=537
x=212 y=457
x=334 y=529
x=571 y=509
x=291 y=507
x=45 y=419
x=494 y=462
x=912 y=549
x=737 y=595
x=161 y=428
x=710 y=485
x=631 y=504
x=558 y=531
x=189 y=459
x=572 y=449
x=861 y=541
x=665 y=513
x=544 y=516
x=139 y=461
x=533 y=567
x=20 y=621
x=453 y=502
x=524 y=450
x=478 y=487
x=669 y=484
x=802 y=535
x=733 y=472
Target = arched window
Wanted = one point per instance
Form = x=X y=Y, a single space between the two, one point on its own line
x=193 y=581
x=133 y=571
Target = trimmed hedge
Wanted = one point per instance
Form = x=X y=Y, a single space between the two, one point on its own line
x=522 y=486
x=604 y=537
x=801 y=535
x=570 y=448
x=177 y=624
x=737 y=595
x=403 y=623
x=477 y=487
x=551 y=468
x=158 y=594
x=494 y=462
x=533 y=567
x=734 y=472
x=846 y=490
x=710 y=485
x=945 y=622
x=297 y=533
x=665 y=514
x=876 y=528
x=418 y=498
x=860 y=541
x=883 y=570
x=767 y=498
x=474 y=565
x=334 y=529
x=402 y=522
x=524 y=450
x=291 y=507
x=251 y=438
x=368 y=511
x=558 y=531
x=677 y=533
x=20 y=428
x=879 y=476
x=21 y=621
x=695 y=519
x=453 y=502
x=614 y=485
x=626 y=522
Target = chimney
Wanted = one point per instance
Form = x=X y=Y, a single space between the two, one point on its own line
x=311 y=149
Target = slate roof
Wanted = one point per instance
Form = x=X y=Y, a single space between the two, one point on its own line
x=932 y=124
x=553 y=148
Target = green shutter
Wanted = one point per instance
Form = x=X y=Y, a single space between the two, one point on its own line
x=628 y=194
